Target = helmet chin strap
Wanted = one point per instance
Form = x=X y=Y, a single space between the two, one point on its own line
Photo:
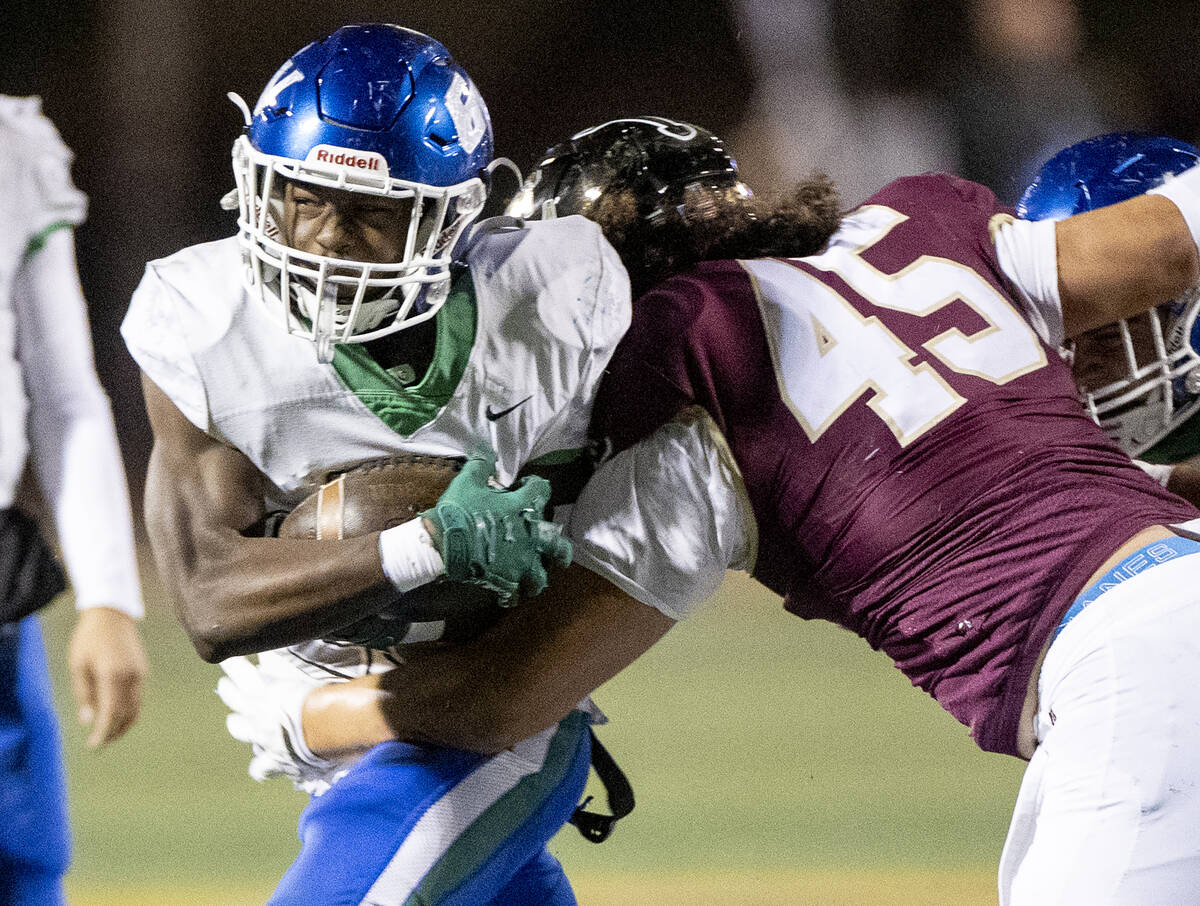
x=335 y=314
x=325 y=319
x=370 y=314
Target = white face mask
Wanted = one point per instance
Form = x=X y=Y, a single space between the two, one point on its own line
x=1140 y=378
x=334 y=300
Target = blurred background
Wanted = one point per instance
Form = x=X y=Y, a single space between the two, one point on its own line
x=865 y=90
x=838 y=772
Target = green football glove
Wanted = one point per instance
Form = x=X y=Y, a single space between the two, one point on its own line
x=496 y=537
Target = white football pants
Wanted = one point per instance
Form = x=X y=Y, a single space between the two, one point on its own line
x=1108 y=813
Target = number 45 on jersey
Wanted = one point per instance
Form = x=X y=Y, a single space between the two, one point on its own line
x=827 y=354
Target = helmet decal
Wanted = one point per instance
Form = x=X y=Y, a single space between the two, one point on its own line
x=683 y=132
x=466 y=109
x=288 y=75
x=341 y=157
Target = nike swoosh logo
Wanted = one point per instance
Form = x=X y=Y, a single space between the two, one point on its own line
x=492 y=414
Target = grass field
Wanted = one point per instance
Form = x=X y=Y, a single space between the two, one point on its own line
x=775 y=762
x=810 y=888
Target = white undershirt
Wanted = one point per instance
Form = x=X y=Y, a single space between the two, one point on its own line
x=1028 y=256
x=72 y=435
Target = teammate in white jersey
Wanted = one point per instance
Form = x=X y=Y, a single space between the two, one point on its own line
x=55 y=415
x=1140 y=378
x=352 y=317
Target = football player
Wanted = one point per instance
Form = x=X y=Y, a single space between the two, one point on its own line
x=1140 y=377
x=55 y=415
x=886 y=437
x=338 y=326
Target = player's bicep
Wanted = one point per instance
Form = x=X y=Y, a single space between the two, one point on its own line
x=1118 y=261
x=1184 y=479
x=197 y=489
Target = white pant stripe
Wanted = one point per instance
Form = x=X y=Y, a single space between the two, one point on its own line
x=449 y=817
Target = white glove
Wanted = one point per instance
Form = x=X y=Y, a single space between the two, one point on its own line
x=266 y=701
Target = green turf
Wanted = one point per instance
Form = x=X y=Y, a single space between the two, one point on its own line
x=755 y=741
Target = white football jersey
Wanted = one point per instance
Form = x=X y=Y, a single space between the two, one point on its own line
x=36 y=197
x=521 y=344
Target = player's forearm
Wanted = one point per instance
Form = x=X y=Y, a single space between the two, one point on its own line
x=237 y=595
x=80 y=473
x=523 y=674
x=341 y=719
x=246 y=595
x=453 y=699
x=482 y=696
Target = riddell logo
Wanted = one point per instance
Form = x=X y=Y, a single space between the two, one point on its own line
x=329 y=155
x=346 y=159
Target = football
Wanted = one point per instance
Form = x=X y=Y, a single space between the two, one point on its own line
x=377 y=495
x=371 y=497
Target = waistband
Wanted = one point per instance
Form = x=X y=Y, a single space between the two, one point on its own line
x=1139 y=561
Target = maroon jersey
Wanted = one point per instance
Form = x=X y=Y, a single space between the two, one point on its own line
x=920 y=467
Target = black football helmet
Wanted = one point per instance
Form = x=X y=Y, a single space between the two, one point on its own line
x=663 y=163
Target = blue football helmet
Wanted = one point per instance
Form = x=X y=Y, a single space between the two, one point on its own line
x=1139 y=378
x=375 y=109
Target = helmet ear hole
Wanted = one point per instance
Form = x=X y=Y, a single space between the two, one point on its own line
x=568 y=190
x=504 y=183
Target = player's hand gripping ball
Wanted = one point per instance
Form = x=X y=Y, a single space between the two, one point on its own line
x=494 y=536
x=379 y=494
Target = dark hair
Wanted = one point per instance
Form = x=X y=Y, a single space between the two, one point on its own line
x=716 y=225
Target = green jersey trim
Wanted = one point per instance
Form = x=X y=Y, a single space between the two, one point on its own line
x=405 y=409
x=37 y=242
x=555 y=458
x=469 y=854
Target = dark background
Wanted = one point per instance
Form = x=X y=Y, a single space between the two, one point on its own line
x=137 y=88
x=888 y=789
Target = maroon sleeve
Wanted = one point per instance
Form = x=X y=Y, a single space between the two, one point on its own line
x=648 y=381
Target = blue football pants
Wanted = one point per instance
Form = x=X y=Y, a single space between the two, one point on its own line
x=425 y=826
x=34 y=840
